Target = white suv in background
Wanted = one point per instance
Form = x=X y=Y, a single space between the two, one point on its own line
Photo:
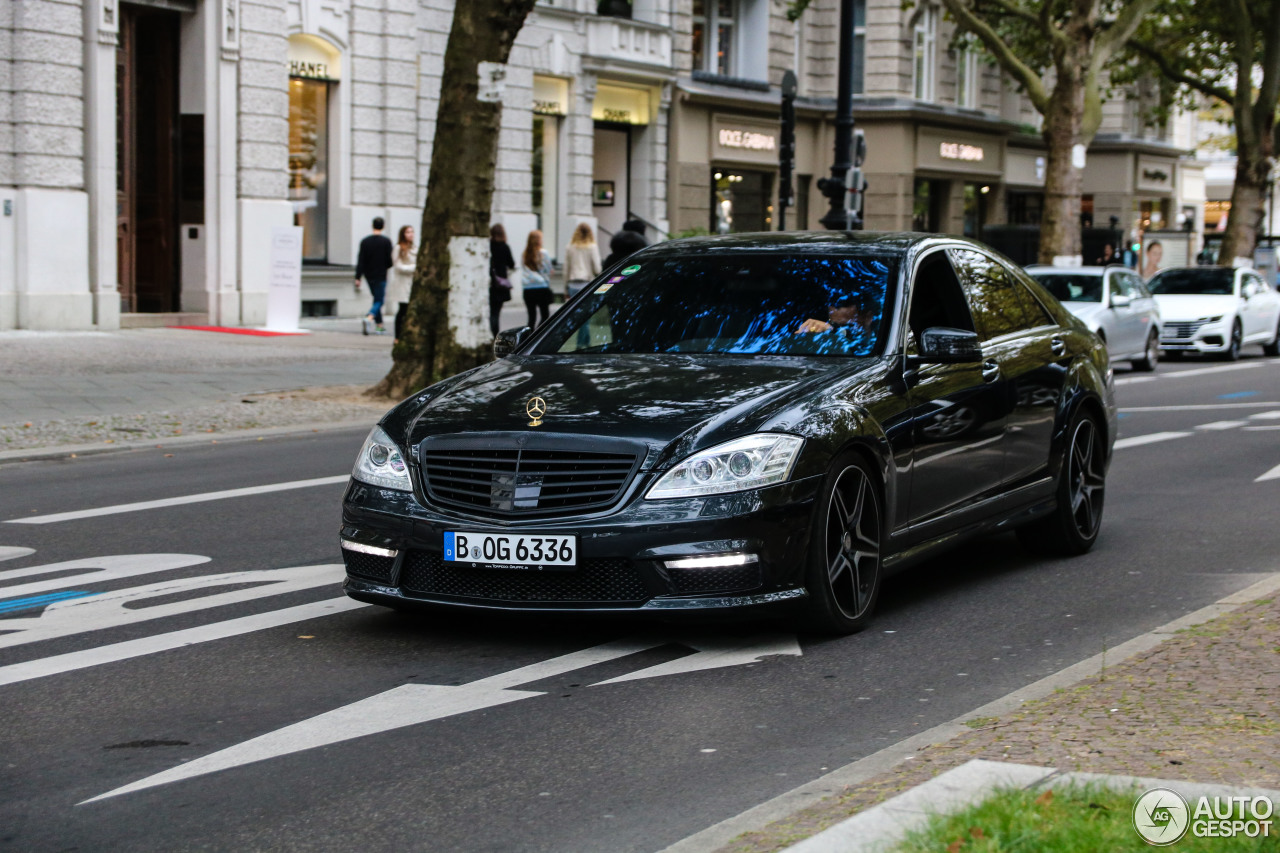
x=1115 y=305
x=1216 y=310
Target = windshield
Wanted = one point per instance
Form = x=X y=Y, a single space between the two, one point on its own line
x=1218 y=281
x=1071 y=287
x=760 y=304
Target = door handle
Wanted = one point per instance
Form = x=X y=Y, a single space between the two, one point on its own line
x=1058 y=345
x=990 y=371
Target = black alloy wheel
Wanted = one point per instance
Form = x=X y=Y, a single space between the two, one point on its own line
x=1073 y=526
x=843 y=575
x=1150 y=355
x=1237 y=337
x=1273 y=348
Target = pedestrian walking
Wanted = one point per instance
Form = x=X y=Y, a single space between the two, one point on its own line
x=501 y=263
x=372 y=263
x=406 y=260
x=535 y=269
x=581 y=259
x=626 y=242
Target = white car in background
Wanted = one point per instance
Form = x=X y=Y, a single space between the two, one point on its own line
x=1115 y=305
x=1216 y=310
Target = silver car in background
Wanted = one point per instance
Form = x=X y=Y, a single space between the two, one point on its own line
x=1114 y=303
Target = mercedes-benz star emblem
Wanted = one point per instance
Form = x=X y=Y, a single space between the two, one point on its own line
x=536 y=408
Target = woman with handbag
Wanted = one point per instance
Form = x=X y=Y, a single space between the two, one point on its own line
x=535 y=270
x=501 y=263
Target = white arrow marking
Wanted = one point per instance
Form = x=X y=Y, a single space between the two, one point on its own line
x=1273 y=474
x=103 y=569
x=715 y=652
x=108 y=610
x=12 y=552
x=406 y=705
x=1266 y=415
x=1138 y=440
x=411 y=704
x=178 y=501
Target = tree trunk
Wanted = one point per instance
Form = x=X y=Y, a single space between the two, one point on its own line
x=447 y=327
x=1060 y=223
x=1255 y=146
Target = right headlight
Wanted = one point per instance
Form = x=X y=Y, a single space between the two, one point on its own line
x=751 y=462
x=381 y=463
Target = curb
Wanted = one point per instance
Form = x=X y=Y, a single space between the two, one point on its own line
x=38 y=453
x=881 y=827
x=718 y=835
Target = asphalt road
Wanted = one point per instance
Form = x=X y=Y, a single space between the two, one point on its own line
x=286 y=718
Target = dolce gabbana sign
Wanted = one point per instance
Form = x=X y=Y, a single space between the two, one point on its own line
x=942 y=150
x=744 y=140
x=960 y=151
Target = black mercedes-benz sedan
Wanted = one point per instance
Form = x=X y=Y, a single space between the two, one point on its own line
x=742 y=423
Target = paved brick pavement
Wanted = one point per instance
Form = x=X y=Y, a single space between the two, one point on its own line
x=1202 y=706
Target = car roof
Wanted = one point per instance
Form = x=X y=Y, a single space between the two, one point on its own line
x=1204 y=268
x=817 y=242
x=1034 y=268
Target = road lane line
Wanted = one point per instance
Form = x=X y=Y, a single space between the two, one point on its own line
x=41 y=600
x=1199 y=371
x=1197 y=407
x=1221 y=425
x=1138 y=440
x=12 y=552
x=178 y=501
x=1266 y=416
x=57 y=664
x=99 y=569
x=1273 y=474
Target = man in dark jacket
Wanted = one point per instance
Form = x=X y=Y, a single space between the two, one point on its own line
x=372 y=263
x=626 y=242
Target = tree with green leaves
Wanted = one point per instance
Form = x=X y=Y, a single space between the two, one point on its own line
x=447 y=328
x=1058 y=52
x=1227 y=51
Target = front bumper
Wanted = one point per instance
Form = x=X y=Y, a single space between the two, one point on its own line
x=1209 y=338
x=622 y=554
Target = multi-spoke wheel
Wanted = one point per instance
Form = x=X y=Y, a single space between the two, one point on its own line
x=843 y=575
x=1237 y=341
x=1073 y=526
x=1150 y=355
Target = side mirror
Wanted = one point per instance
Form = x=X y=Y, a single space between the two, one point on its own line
x=940 y=345
x=1120 y=300
x=509 y=340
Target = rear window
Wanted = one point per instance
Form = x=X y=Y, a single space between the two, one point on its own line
x=1071 y=287
x=714 y=303
x=1217 y=281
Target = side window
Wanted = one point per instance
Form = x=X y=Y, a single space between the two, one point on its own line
x=1115 y=283
x=1137 y=286
x=936 y=298
x=1001 y=303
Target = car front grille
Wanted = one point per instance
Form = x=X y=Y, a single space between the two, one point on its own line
x=1180 y=330
x=607 y=581
x=504 y=483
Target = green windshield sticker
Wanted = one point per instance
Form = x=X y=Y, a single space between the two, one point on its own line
x=631 y=269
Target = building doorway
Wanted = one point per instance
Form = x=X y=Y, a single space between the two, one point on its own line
x=611 y=177
x=741 y=200
x=147 y=227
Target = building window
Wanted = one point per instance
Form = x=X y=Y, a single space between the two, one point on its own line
x=967 y=77
x=713 y=36
x=1024 y=208
x=859 y=45
x=799 y=57
x=926 y=40
x=926 y=209
x=741 y=200
x=309 y=164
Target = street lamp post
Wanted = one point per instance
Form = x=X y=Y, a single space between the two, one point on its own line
x=835 y=188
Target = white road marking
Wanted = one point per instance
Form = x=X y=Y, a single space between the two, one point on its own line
x=714 y=652
x=1199 y=371
x=72 y=661
x=1154 y=437
x=1273 y=474
x=103 y=569
x=1266 y=416
x=1221 y=425
x=1261 y=428
x=110 y=610
x=12 y=552
x=1198 y=407
x=179 y=501
x=411 y=704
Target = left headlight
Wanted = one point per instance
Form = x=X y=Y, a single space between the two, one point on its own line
x=381 y=463
x=745 y=463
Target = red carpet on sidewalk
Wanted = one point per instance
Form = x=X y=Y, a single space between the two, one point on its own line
x=262 y=333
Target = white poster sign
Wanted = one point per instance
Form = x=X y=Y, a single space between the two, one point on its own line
x=284 y=292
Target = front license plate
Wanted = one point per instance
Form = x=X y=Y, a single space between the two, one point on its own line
x=511 y=551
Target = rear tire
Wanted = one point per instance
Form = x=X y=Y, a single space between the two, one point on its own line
x=1072 y=527
x=1273 y=348
x=843 y=573
x=1150 y=356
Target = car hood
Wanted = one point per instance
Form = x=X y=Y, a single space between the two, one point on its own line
x=1090 y=312
x=1177 y=308
x=653 y=398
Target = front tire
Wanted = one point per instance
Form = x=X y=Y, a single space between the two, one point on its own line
x=1273 y=348
x=1073 y=526
x=1149 y=356
x=1237 y=339
x=845 y=540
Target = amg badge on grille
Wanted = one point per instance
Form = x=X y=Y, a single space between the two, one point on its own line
x=536 y=408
